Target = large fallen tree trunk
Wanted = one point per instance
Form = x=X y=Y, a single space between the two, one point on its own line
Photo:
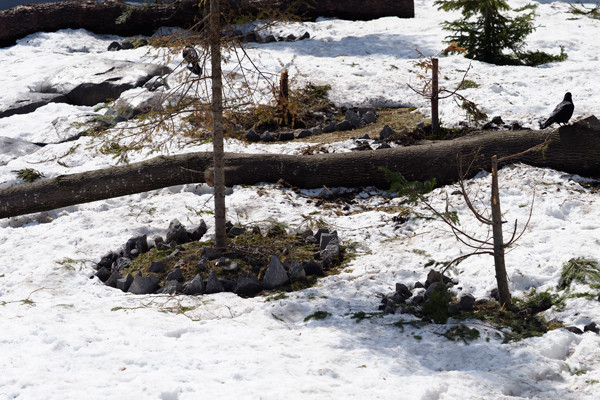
x=572 y=149
x=116 y=17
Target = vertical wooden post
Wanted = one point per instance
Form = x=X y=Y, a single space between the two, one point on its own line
x=284 y=96
x=435 y=119
x=501 y=279
x=218 y=126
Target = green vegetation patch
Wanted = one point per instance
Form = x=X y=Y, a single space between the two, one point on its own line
x=28 y=174
x=580 y=269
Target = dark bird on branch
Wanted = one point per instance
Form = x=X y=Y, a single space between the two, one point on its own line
x=562 y=113
x=190 y=55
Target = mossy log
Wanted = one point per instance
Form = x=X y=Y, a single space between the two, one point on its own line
x=573 y=149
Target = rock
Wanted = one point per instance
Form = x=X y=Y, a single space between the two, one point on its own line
x=295 y=270
x=200 y=231
x=403 y=290
x=236 y=231
x=497 y=120
x=156 y=83
x=124 y=283
x=171 y=287
x=418 y=285
x=252 y=136
x=432 y=288
x=267 y=137
x=326 y=238
x=136 y=246
x=28 y=102
x=157 y=267
x=436 y=276
x=275 y=275
x=317 y=130
x=100 y=80
x=386 y=132
x=211 y=253
x=384 y=146
x=175 y=275
x=331 y=127
x=112 y=280
x=285 y=136
x=591 y=327
x=304 y=133
x=72 y=127
x=201 y=266
x=247 y=286
x=319 y=232
x=114 y=46
x=345 y=125
x=369 y=117
x=213 y=284
x=107 y=260
x=575 y=330
x=159 y=243
x=228 y=284
x=195 y=286
x=121 y=263
x=144 y=284
x=466 y=303
x=133 y=104
x=313 y=268
x=177 y=233
x=354 y=119
x=494 y=294
x=305 y=36
x=103 y=274
x=15 y=148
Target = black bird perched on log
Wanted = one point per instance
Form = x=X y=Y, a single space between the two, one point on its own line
x=190 y=55
x=562 y=113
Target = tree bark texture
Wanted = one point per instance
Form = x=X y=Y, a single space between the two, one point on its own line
x=101 y=17
x=573 y=149
x=499 y=264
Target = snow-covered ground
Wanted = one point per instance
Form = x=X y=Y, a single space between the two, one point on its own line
x=65 y=336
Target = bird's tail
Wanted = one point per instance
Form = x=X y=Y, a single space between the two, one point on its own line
x=546 y=124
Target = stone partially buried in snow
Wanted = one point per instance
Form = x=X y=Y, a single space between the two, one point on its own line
x=195 y=286
x=28 y=102
x=144 y=284
x=275 y=274
x=247 y=286
x=100 y=80
x=15 y=148
x=177 y=233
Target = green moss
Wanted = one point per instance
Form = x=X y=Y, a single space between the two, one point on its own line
x=461 y=332
x=317 y=315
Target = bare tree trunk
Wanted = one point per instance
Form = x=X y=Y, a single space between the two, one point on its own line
x=573 y=149
x=501 y=279
x=218 y=126
x=435 y=118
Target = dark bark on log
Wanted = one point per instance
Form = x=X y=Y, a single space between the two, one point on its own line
x=101 y=17
x=573 y=149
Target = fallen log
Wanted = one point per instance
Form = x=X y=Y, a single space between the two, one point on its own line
x=573 y=149
x=118 y=18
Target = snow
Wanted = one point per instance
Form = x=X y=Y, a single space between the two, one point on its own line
x=66 y=336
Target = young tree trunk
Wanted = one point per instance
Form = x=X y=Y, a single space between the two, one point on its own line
x=435 y=118
x=218 y=126
x=573 y=149
x=501 y=279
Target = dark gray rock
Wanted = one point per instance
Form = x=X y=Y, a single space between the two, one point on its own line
x=177 y=233
x=236 y=231
x=285 y=136
x=157 y=267
x=575 y=330
x=354 y=119
x=195 y=286
x=201 y=266
x=403 y=290
x=200 y=231
x=305 y=36
x=114 y=46
x=434 y=286
x=267 y=136
x=107 y=260
x=252 y=136
x=418 y=285
x=319 y=232
x=144 y=284
x=466 y=303
x=275 y=275
x=269 y=39
x=317 y=130
x=106 y=81
x=369 y=117
x=124 y=283
x=211 y=253
x=15 y=148
x=136 y=246
x=304 y=133
x=112 y=280
x=313 y=268
x=175 y=275
x=331 y=127
x=103 y=274
x=591 y=327
x=171 y=287
x=247 y=286
x=345 y=125
x=30 y=101
x=213 y=284
x=228 y=284
x=386 y=132
x=295 y=270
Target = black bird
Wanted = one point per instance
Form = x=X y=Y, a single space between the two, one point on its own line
x=562 y=113
x=190 y=55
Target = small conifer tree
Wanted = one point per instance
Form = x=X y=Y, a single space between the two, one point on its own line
x=490 y=36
